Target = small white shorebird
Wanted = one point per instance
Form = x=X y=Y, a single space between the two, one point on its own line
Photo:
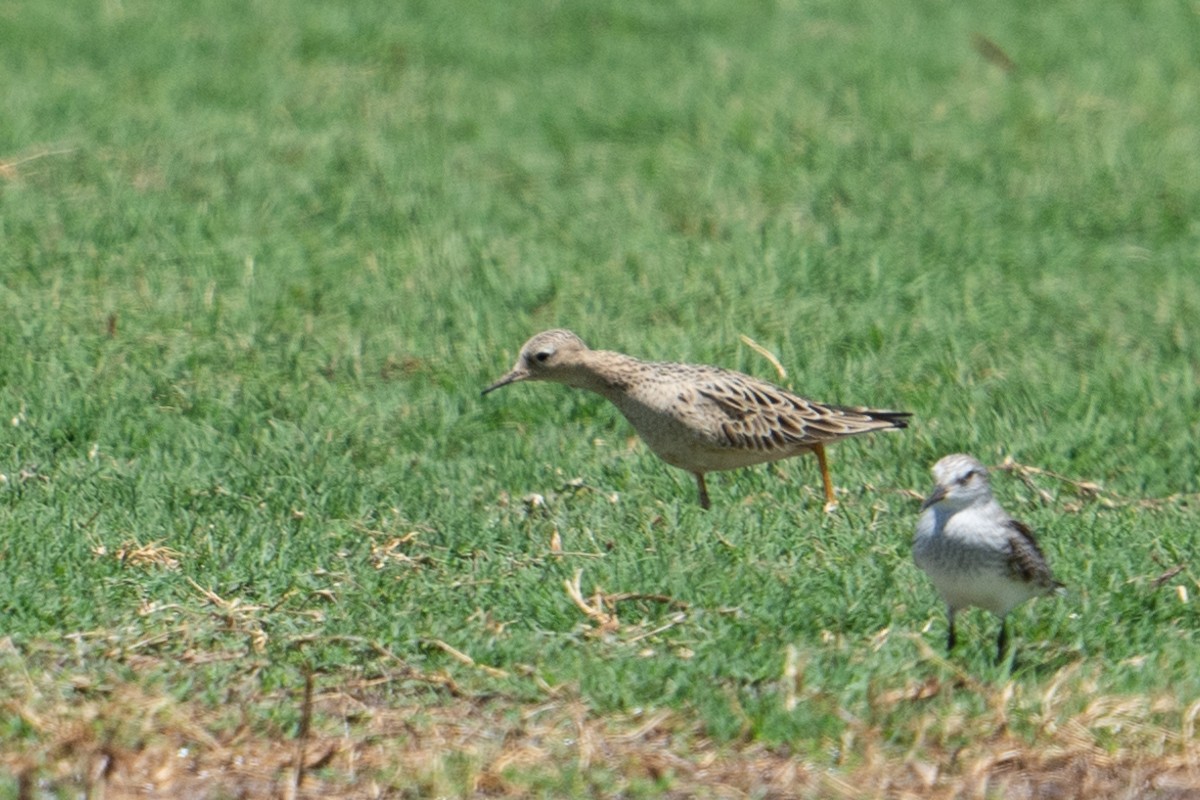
x=699 y=418
x=973 y=551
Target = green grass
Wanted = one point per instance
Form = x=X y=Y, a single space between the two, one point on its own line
x=257 y=261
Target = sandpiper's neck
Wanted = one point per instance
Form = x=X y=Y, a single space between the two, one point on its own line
x=605 y=372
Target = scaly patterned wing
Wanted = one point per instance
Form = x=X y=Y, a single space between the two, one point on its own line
x=759 y=416
x=1026 y=561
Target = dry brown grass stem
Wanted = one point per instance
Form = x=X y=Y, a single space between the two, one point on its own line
x=237 y=616
x=463 y=658
x=1085 y=490
x=8 y=168
x=765 y=353
x=605 y=622
x=292 y=790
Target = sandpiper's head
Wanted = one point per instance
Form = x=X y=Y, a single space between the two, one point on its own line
x=545 y=357
x=961 y=481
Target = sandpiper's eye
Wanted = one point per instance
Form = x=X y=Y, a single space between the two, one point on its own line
x=542 y=356
x=965 y=478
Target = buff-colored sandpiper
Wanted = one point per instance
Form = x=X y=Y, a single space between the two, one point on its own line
x=973 y=551
x=695 y=417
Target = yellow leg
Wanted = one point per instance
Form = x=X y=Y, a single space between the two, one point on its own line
x=830 y=499
x=704 y=503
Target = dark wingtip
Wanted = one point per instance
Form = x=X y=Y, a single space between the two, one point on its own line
x=898 y=419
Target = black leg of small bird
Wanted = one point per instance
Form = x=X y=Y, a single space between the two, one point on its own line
x=704 y=503
x=1002 y=641
x=951 y=638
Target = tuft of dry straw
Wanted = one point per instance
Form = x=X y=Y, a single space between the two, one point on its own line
x=133 y=553
x=605 y=622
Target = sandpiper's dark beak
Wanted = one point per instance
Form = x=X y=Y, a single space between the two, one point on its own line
x=936 y=496
x=517 y=374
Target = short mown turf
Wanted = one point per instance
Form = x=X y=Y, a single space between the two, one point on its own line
x=257 y=261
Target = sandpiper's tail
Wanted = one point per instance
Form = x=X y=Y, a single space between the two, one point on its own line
x=872 y=419
x=894 y=419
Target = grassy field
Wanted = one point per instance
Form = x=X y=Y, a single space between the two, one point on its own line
x=260 y=535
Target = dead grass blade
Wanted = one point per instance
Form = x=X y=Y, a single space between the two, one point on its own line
x=594 y=611
x=237 y=616
x=1085 y=490
x=765 y=353
x=8 y=168
x=293 y=787
x=462 y=657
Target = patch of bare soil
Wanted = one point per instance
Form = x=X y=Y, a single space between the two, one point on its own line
x=127 y=742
